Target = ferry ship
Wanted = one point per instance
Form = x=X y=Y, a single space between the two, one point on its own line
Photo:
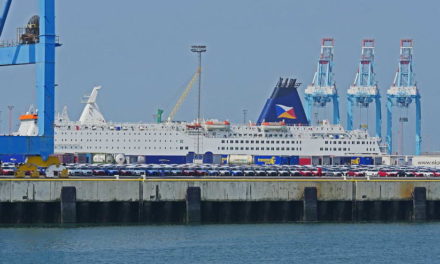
x=282 y=129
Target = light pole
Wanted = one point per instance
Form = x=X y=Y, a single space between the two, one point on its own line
x=199 y=49
x=10 y=108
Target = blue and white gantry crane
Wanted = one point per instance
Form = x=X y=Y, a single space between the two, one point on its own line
x=323 y=89
x=364 y=89
x=35 y=45
x=402 y=93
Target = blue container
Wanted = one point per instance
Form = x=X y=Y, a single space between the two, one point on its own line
x=224 y=159
x=13 y=158
x=208 y=157
x=267 y=160
x=285 y=161
x=165 y=159
x=366 y=161
x=294 y=160
x=190 y=157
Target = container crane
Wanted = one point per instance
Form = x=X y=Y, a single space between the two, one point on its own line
x=402 y=93
x=364 y=89
x=323 y=89
x=35 y=45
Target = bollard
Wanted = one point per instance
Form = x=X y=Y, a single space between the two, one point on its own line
x=68 y=205
x=419 y=204
x=310 y=204
x=193 y=205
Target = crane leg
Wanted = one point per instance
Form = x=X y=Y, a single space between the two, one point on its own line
x=34 y=162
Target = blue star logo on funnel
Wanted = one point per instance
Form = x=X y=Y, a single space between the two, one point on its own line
x=285 y=111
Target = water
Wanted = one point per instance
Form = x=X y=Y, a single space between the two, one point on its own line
x=262 y=243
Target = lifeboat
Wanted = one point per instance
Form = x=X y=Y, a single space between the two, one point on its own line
x=273 y=125
x=217 y=125
x=28 y=117
x=193 y=126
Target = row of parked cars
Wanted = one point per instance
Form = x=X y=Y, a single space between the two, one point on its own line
x=230 y=170
x=249 y=170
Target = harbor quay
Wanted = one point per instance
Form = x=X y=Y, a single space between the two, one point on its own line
x=216 y=200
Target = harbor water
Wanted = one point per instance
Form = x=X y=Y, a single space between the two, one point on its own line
x=257 y=243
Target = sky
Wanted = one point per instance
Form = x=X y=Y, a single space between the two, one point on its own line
x=139 y=51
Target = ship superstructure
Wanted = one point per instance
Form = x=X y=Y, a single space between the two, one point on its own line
x=273 y=134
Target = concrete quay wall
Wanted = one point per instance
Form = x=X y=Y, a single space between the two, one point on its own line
x=236 y=190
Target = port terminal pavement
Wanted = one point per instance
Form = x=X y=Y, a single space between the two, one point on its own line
x=217 y=200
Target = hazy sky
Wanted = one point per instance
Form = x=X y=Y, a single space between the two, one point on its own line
x=138 y=50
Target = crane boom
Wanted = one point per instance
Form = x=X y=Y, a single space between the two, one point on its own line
x=184 y=95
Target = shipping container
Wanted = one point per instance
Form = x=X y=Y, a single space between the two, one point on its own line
x=217 y=159
x=13 y=158
x=267 y=160
x=316 y=160
x=224 y=159
x=326 y=160
x=426 y=161
x=165 y=159
x=285 y=160
x=240 y=159
x=81 y=158
x=109 y=158
x=208 y=158
x=361 y=161
x=293 y=160
x=132 y=159
x=305 y=161
x=190 y=157
x=98 y=158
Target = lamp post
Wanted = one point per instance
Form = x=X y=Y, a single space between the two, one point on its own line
x=199 y=49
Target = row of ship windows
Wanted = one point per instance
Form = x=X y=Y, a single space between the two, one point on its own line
x=169 y=134
x=117 y=133
x=348 y=142
x=258 y=148
x=262 y=141
x=343 y=149
x=99 y=147
x=116 y=140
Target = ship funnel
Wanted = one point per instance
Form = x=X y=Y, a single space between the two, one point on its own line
x=284 y=104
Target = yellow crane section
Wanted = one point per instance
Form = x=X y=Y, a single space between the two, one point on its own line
x=184 y=95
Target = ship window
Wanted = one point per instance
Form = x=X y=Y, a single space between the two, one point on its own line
x=339 y=142
x=241 y=148
x=223 y=141
x=282 y=148
x=272 y=148
x=345 y=142
x=241 y=141
x=252 y=141
x=334 y=149
x=282 y=142
x=334 y=142
x=223 y=148
x=181 y=147
x=247 y=141
x=272 y=142
x=363 y=142
x=326 y=142
x=247 y=148
x=321 y=149
x=287 y=148
x=257 y=148
x=326 y=149
x=358 y=142
x=277 y=148
x=339 y=149
x=278 y=142
x=353 y=142
x=236 y=148
x=252 y=148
